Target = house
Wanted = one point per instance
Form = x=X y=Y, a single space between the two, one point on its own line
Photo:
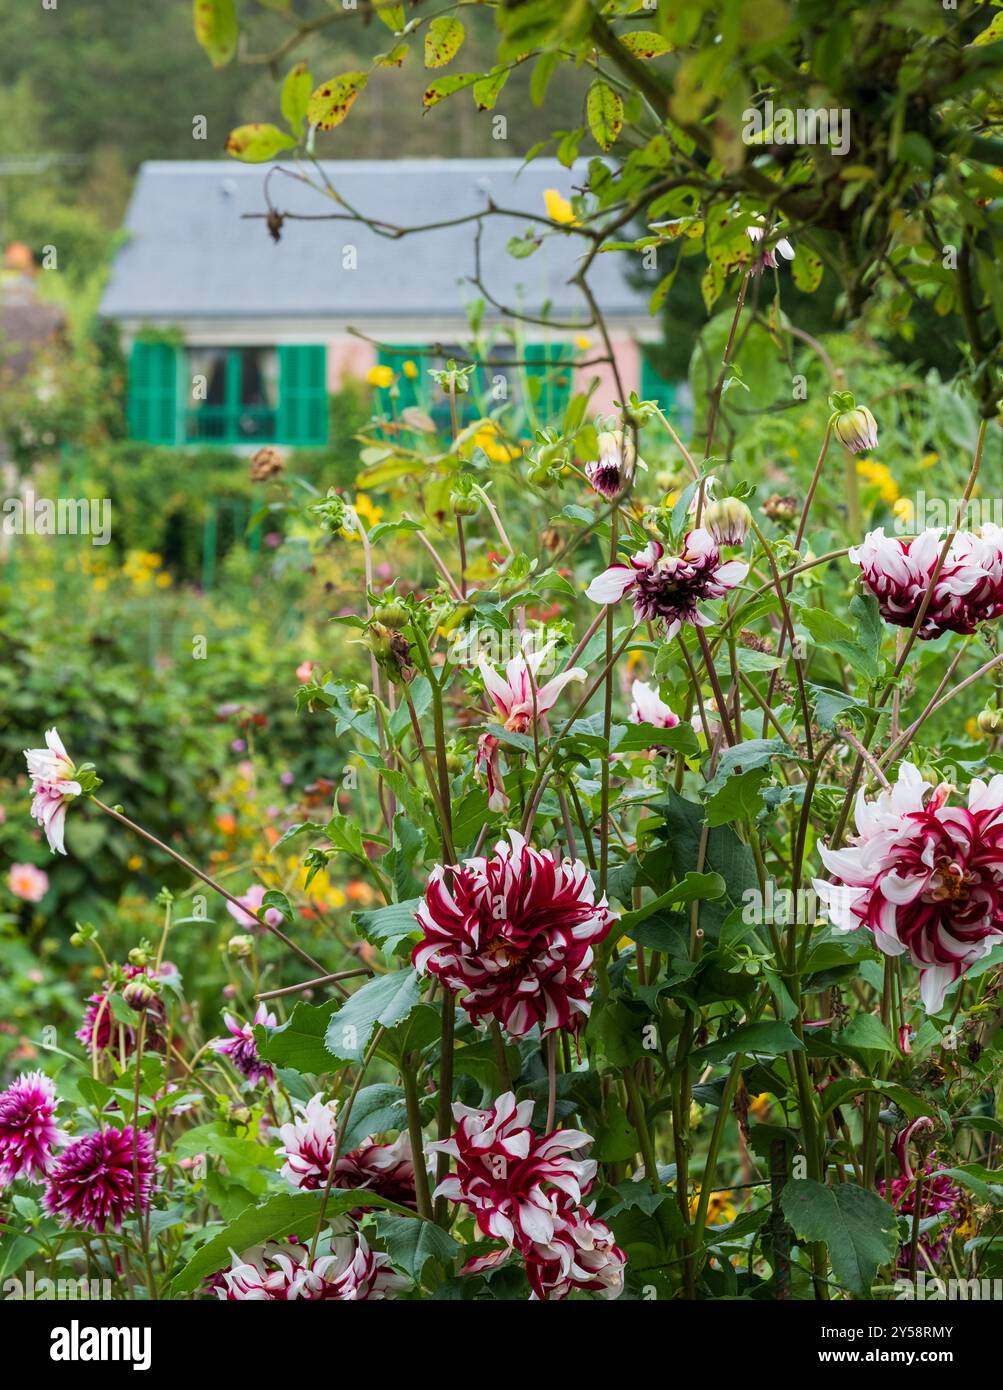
x=236 y=337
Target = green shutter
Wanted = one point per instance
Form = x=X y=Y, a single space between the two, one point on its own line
x=550 y=364
x=153 y=392
x=302 y=394
x=654 y=387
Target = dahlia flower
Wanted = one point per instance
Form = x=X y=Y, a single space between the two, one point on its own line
x=613 y=470
x=968 y=590
x=100 y=1029
x=938 y=1195
x=241 y=1047
x=856 y=429
x=28 y=1132
x=727 y=520
x=28 y=883
x=512 y=1180
x=516 y=932
x=487 y=769
x=767 y=259
x=252 y=900
x=308 y=1143
x=346 y=1271
x=581 y=1254
x=53 y=787
x=93 y=1184
x=670 y=586
x=387 y=1169
x=925 y=877
x=648 y=707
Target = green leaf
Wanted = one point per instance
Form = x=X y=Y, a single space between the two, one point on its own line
x=488 y=89
x=411 y=1242
x=645 y=43
x=443 y=40
x=333 y=99
x=444 y=87
x=385 y=926
x=253 y=144
x=767 y=1039
x=393 y=16
x=299 y=1042
x=693 y=886
x=377 y=1109
x=296 y=91
x=216 y=29
x=858 y=1228
x=384 y=1001
x=279 y=1216
x=739 y=799
x=604 y=110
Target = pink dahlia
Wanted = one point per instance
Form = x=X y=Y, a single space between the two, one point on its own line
x=28 y=883
x=28 y=1132
x=581 y=1254
x=53 y=787
x=968 y=590
x=939 y=1197
x=513 y=1181
x=242 y=1048
x=344 y=1270
x=671 y=587
x=252 y=900
x=925 y=877
x=516 y=932
x=93 y=1183
x=648 y=707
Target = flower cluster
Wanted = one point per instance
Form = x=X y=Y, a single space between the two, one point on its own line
x=528 y=1192
x=516 y=931
x=344 y=1269
x=900 y=574
x=28 y=1133
x=102 y=1178
x=925 y=877
x=671 y=587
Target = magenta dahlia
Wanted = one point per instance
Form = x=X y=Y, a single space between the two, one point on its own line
x=925 y=877
x=344 y=1269
x=670 y=587
x=516 y=932
x=512 y=1180
x=938 y=1197
x=28 y=1132
x=93 y=1184
x=100 y=1028
x=242 y=1048
x=968 y=590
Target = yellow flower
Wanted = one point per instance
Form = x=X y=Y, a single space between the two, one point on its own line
x=879 y=475
x=380 y=376
x=488 y=438
x=904 y=509
x=583 y=343
x=558 y=207
x=367 y=509
x=134 y=862
x=721 y=1210
x=410 y=370
x=99 y=583
x=163 y=580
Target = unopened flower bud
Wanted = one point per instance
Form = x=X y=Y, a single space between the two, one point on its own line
x=392 y=613
x=728 y=521
x=360 y=696
x=139 y=955
x=138 y=995
x=240 y=947
x=239 y=1114
x=856 y=429
x=331 y=511
x=782 y=510
x=391 y=650
x=990 y=721
x=612 y=471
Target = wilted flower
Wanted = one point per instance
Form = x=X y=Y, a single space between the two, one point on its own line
x=344 y=1269
x=28 y=1132
x=392 y=651
x=670 y=587
x=53 y=787
x=782 y=510
x=252 y=900
x=94 y=1183
x=648 y=707
x=100 y=1029
x=968 y=590
x=266 y=463
x=767 y=258
x=516 y=932
x=926 y=878
x=28 y=883
x=513 y=1180
x=241 y=1047
x=939 y=1197
x=613 y=470
x=856 y=429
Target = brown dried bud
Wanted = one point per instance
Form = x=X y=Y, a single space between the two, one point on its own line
x=265 y=464
x=781 y=509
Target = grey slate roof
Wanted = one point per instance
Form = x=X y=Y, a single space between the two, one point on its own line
x=190 y=254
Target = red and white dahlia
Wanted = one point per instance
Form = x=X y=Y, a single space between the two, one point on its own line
x=308 y=1143
x=343 y=1270
x=767 y=258
x=387 y=1169
x=968 y=590
x=516 y=931
x=581 y=1254
x=513 y=1181
x=925 y=877
x=93 y=1183
x=28 y=1133
x=53 y=787
x=648 y=707
x=670 y=587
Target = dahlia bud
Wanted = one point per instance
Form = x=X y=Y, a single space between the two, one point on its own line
x=855 y=426
x=265 y=464
x=782 y=510
x=240 y=947
x=392 y=613
x=139 y=955
x=728 y=521
x=239 y=1114
x=138 y=995
x=360 y=696
x=613 y=470
x=990 y=721
x=331 y=512
x=391 y=650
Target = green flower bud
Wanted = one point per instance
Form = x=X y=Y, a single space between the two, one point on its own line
x=856 y=429
x=990 y=721
x=728 y=521
x=240 y=947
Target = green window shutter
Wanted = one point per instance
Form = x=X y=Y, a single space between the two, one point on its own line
x=153 y=392
x=302 y=394
x=550 y=364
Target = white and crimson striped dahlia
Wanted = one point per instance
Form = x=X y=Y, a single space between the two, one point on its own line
x=516 y=931
x=581 y=1254
x=343 y=1270
x=670 y=587
x=968 y=590
x=513 y=1181
x=925 y=877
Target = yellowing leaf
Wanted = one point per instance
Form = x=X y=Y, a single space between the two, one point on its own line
x=993 y=33
x=444 y=87
x=393 y=17
x=257 y=142
x=443 y=40
x=604 y=110
x=333 y=99
x=216 y=29
x=806 y=270
x=296 y=96
x=644 y=43
x=394 y=59
x=487 y=89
